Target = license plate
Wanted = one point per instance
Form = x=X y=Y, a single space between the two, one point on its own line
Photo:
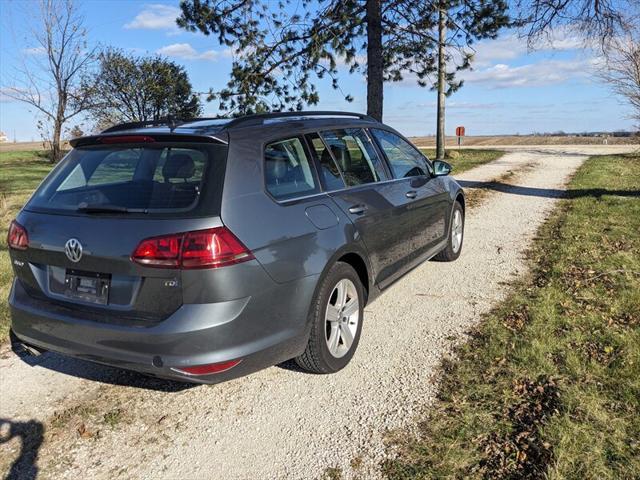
x=87 y=286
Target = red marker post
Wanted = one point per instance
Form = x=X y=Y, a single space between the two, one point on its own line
x=460 y=133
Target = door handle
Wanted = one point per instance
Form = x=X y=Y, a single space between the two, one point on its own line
x=358 y=209
x=411 y=194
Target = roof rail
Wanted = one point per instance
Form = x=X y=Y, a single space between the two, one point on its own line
x=259 y=118
x=245 y=120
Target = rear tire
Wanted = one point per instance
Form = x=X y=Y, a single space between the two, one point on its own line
x=456 y=236
x=336 y=321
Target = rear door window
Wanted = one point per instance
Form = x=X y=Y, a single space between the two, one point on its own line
x=404 y=159
x=329 y=172
x=355 y=155
x=288 y=171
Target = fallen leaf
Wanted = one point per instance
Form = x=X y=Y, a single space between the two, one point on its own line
x=83 y=431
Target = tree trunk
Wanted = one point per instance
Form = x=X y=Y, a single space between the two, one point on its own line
x=56 y=148
x=442 y=80
x=375 y=67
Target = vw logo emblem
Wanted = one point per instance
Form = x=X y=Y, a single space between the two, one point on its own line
x=73 y=249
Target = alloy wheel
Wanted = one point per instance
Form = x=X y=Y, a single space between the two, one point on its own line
x=456 y=231
x=342 y=317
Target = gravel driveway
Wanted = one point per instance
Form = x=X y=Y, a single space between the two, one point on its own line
x=281 y=423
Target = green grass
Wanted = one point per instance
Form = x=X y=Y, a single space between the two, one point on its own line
x=469 y=158
x=113 y=417
x=20 y=174
x=549 y=384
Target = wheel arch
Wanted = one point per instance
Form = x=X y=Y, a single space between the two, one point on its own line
x=356 y=256
x=460 y=199
x=360 y=266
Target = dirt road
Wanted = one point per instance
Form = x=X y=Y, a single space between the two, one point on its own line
x=100 y=422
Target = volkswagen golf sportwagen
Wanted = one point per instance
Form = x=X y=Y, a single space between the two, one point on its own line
x=207 y=249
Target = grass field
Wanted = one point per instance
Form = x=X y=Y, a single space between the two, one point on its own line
x=548 y=386
x=20 y=174
x=468 y=158
x=22 y=171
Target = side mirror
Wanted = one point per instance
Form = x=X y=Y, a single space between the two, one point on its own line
x=442 y=168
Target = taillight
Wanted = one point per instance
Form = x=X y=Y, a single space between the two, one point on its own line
x=17 y=237
x=159 y=251
x=212 y=248
x=208 y=369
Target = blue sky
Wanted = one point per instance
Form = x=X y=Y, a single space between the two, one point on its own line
x=510 y=90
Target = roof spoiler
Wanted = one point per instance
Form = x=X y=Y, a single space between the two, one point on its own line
x=136 y=137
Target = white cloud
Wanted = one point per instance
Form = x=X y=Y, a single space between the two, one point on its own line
x=504 y=48
x=507 y=62
x=185 y=51
x=542 y=73
x=510 y=47
x=472 y=106
x=155 y=17
x=454 y=105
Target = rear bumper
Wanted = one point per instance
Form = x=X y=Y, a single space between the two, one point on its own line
x=259 y=330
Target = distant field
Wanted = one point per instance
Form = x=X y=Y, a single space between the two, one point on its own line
x=526 y=140
x=26 y=146
x=471 y=141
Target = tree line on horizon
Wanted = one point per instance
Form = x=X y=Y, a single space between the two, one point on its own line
x=282 y=50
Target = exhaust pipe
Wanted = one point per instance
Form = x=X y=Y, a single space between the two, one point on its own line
x=23 y=349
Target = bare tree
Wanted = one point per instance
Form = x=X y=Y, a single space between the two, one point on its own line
x=49 y=79
x=621 y=69
x=600 y=20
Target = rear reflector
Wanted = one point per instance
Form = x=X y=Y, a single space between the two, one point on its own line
x=17 y=237
x=212 y=248
x=127 y=139
x=208 y=369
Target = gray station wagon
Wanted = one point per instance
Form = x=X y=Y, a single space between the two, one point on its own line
x=207 y=249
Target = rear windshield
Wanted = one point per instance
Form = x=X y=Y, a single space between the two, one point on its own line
x=133 y=179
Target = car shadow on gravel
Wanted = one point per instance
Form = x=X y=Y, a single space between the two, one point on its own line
x=31 y=436
x=102 y=373
x=546 y=192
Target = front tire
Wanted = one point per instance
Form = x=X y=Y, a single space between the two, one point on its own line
x=336 y=321
x=456 y=236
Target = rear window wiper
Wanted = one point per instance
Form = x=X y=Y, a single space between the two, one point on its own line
x=98 y=208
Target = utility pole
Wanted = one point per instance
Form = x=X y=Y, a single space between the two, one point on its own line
x=442 y=77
